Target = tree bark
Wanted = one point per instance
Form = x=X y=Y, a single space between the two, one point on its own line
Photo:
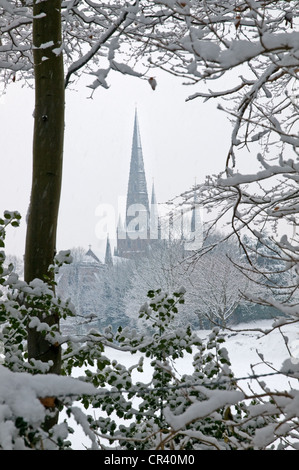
x=47 y=160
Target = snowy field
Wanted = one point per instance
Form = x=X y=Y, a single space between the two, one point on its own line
x=244 y=347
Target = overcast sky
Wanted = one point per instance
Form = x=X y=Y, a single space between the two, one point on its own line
x=182 y=143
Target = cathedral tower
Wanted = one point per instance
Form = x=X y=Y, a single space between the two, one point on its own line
x=134 y=237
x=137 y=196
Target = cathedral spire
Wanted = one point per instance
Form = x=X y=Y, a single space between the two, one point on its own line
x=108 y=255
x=134 y=238
x=137 y=196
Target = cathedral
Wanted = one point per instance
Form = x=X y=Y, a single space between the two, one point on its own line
x=141 y=227
x=96 y=288
x=144 y=227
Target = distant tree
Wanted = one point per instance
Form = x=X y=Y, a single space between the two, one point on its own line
x=215 y=286
x=78 y=254
x=110 y=295
x=218 y=288
x=97 y=292
x=161 y=268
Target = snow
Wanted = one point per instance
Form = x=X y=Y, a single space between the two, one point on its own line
x=217 y=399
x=246 y=345
x=6 y=6
x=124 y=68
x=45 y=45
x=20 y=395
x=240 y=51
x=255 y=350
x=238 y=179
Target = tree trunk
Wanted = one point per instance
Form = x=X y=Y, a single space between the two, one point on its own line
x=47 y=160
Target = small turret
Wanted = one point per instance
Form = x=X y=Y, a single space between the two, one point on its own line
x=108 y=255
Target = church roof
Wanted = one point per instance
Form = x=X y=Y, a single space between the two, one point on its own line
x=90 y=257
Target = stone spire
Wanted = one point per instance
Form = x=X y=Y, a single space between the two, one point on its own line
x=133 y=239
x=108 y=255
x=137 y=195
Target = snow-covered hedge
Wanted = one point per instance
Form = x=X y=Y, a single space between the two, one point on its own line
x=204 y=408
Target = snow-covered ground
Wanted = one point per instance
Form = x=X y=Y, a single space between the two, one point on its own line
x=245 y=347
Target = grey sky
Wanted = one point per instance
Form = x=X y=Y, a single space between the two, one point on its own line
x=182 y=142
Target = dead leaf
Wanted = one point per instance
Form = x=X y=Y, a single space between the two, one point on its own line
x=48 y=402
x=152 y=82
